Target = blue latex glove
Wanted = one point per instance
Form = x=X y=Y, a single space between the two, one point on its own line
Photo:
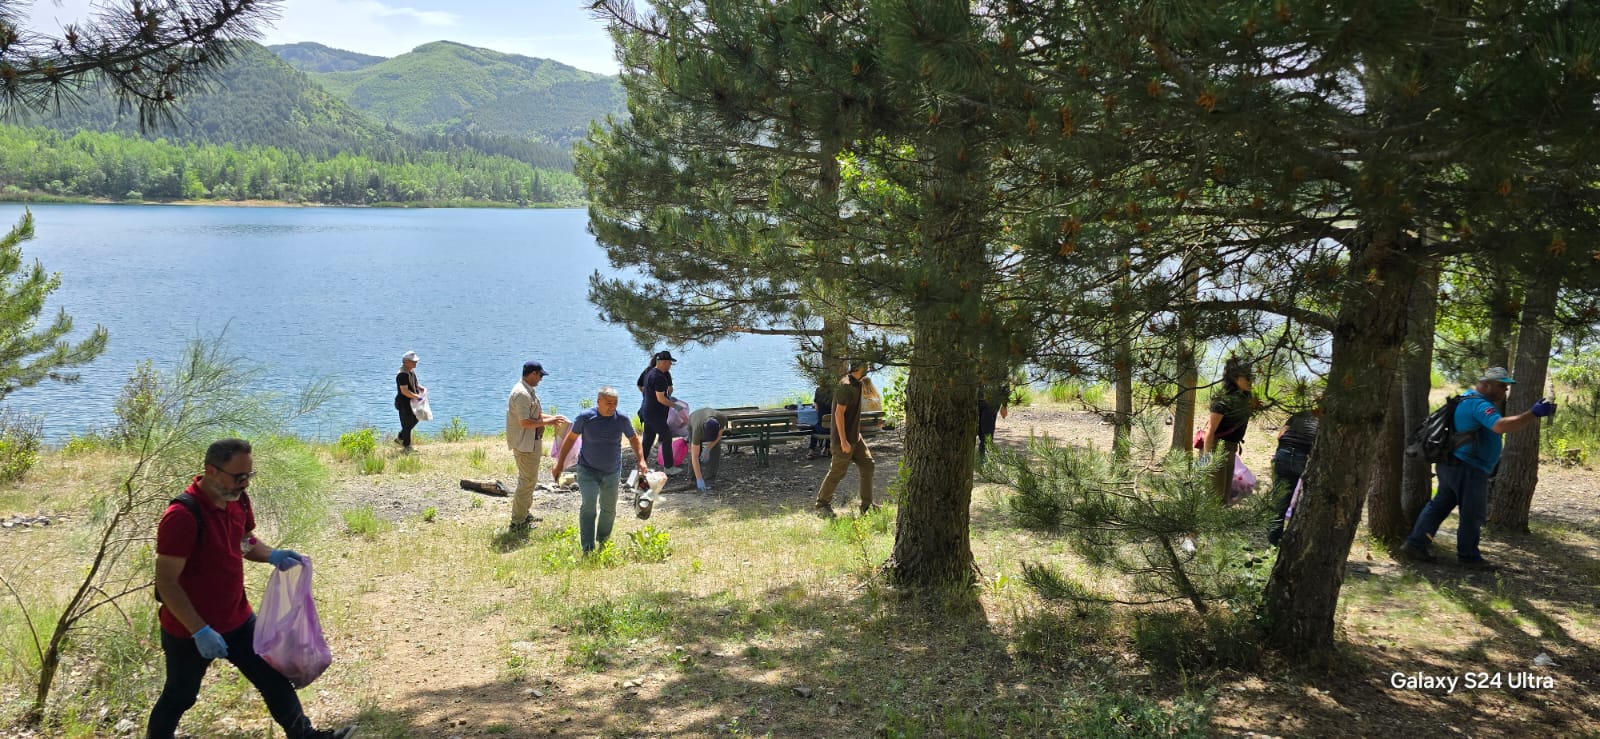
x=1544 y=408
x=700 y=485
x=210 y=643
x=283 y=559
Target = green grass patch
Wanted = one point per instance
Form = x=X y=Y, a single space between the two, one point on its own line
x=364 y=522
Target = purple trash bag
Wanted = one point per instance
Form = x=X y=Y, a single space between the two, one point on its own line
x=288 y=633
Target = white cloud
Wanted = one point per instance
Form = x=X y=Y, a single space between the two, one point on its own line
x=367 y=26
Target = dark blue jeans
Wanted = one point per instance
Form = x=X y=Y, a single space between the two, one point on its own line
x=1288 y=465
x=1461 y=485
x=186 y=668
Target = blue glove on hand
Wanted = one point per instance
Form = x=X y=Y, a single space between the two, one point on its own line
x=210 y=643
x=700 y=485
x=283 y=559
x=1544 y=408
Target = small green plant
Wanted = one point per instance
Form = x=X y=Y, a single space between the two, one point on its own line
x=586 y=403
x=1093 y=395
x=649 y=544
x=456 y=431
x=476 y=503
x=364 y=522
x=478 y=457
x=19 y=444
x=408 y=464
x=894 y=398
x=1062 y=392
x=429 y=514
x=85 y=443
x=372 y=465
x=356 y=444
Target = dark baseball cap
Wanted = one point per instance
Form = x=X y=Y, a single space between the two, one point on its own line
x=664 y=355
x=712 y=427
x=533 y=366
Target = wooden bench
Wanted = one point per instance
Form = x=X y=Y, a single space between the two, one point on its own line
x=758 y=428
x=871 y=422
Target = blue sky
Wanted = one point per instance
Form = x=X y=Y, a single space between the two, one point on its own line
x=562 y=30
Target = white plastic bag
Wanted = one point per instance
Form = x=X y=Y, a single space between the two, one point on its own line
x=288 y=632
x=420 y=408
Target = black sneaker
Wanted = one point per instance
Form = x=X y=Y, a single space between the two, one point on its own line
x=1477 y=564
x=1413 y=553
x=345 y=733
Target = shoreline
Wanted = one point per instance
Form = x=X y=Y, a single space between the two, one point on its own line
x=46 y=199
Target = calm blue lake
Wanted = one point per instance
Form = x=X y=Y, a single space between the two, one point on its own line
x=307 y=293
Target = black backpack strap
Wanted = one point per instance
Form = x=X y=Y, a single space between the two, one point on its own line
x=193 y=506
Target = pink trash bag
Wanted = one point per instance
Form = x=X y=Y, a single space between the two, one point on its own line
x=288 y=633
x=560 y=437
x=1244 y=482
x=680 y=453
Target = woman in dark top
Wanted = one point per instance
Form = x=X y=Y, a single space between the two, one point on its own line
x=406 y=390
x=1230 y=418
x=1289 y=463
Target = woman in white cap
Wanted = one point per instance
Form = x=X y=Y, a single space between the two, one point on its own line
x=407 y=390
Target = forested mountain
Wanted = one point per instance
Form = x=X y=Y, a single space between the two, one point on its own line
x=308 y=56
x=453 y=88
x=258 y=100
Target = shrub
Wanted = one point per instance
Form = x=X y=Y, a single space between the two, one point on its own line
x=894 y=398
x=1159 y=526
x=429 y=513
x=649 y=544
x=356 y=444
x=19 y=444
x=456 y=431
x=139 y=405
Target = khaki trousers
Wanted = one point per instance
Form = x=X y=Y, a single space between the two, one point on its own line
x=862 y=457
x=527 y=477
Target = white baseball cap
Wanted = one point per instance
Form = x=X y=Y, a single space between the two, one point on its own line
x=408 y=357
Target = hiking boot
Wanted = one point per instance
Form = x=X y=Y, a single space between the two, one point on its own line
x=1413 y=553
x=520 y=527
x=824 y=510
x=1477 y=564
x=870 y=507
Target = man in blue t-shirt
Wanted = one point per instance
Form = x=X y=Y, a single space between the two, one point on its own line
x=599 y=465
x=1464 y=477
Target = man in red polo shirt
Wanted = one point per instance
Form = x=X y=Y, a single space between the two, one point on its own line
x=204 y=612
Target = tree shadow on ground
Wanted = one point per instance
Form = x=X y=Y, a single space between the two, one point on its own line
x=1357 y=694
x=858 y=662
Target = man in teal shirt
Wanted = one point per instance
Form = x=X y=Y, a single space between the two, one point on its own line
x=1464 y=476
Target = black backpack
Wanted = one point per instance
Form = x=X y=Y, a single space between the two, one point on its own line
x=1436 y=439
x=193 y=507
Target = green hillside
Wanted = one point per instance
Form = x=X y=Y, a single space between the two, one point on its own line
x=258 y=100
x=308 y=56
x=450 y=87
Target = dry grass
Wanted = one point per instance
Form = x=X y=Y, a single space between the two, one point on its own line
x=768 y=621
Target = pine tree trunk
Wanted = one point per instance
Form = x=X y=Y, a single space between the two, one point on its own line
x=1303 y=592
x=1416 y=382
x=1511 y=490
x=1188 y=372
x=931 y=547
x=1497 y=346
x=1386 y=519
